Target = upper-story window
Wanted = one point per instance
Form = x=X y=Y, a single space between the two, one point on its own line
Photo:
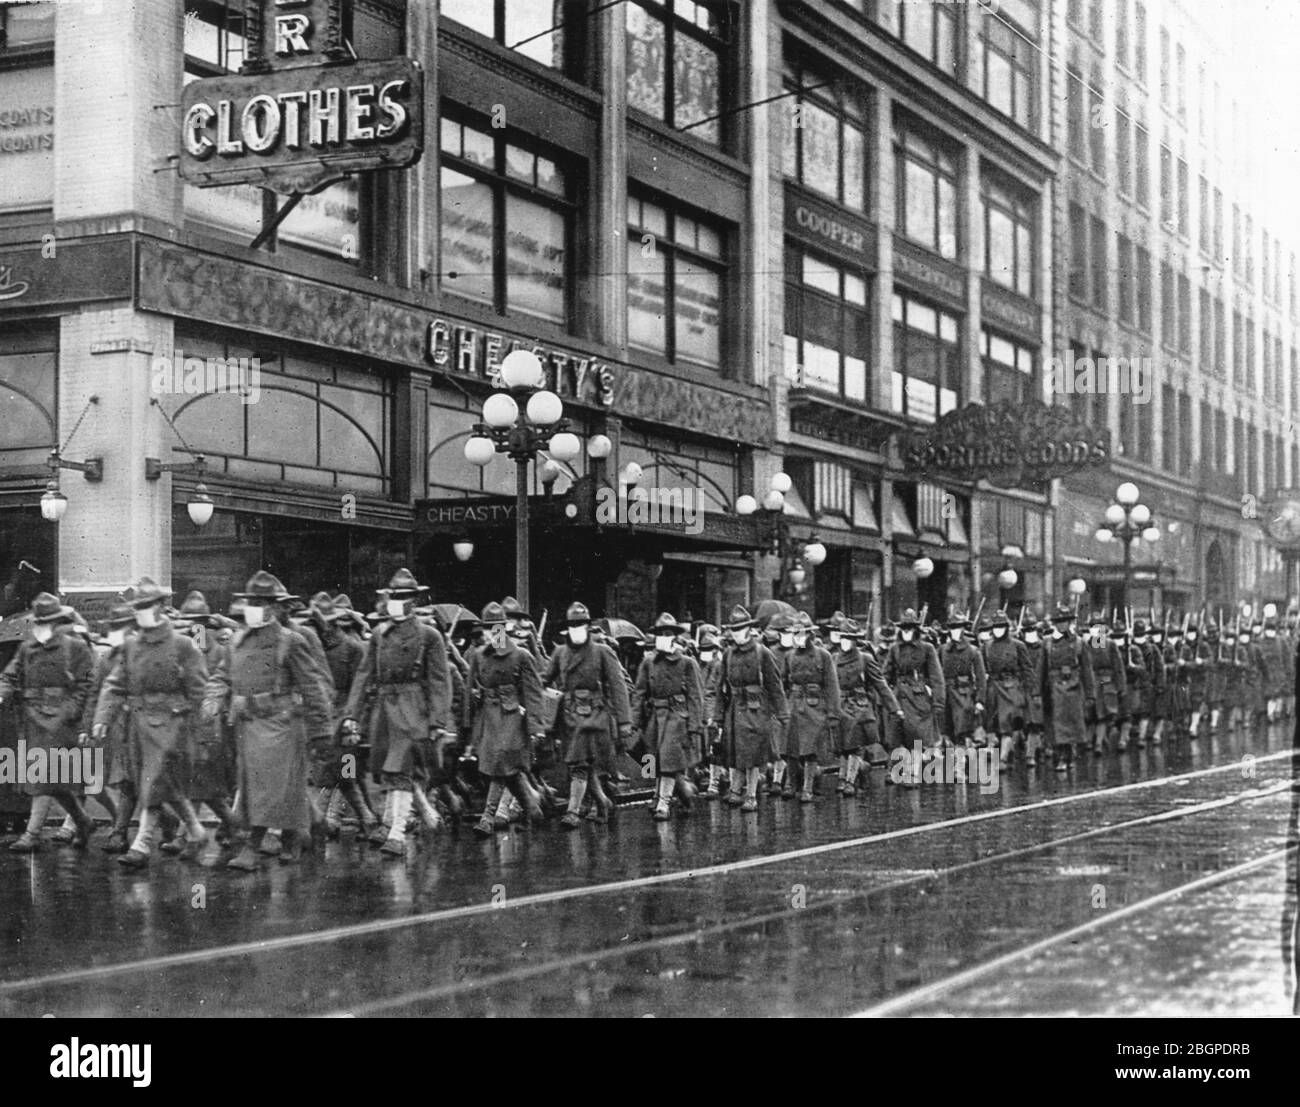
x=1006 y=64
x=826 y=137
x=930 y=30
x=827 y=326
x=507 y=222
x=1009 y=226
x=26 y=24
x=676 y=283
x=926 y=187
x=926 y=379
x=548 y=33
x=1140 y=42
x=678 y=63
x=1008 y=368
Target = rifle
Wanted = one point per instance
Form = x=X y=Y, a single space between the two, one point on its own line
x=541 y=636
x=925 y=610
x=975 y=622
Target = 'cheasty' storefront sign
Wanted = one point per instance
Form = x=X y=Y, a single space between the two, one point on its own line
x=1009 y=445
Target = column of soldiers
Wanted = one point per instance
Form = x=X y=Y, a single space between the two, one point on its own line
x=283 y=716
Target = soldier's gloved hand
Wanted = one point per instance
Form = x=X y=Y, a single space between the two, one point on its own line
x=900 y=713
x=99 y=732
x=83 y=739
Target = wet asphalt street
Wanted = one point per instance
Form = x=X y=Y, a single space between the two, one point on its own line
x=1150 y=882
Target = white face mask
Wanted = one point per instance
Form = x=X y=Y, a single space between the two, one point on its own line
x=706 y=656
x=1191 y=636
x=787 y=639
x=907 y=635
x=836 y=636
x=956 y=634
x=1031 y=636
x=116 y=636
x=846 y=644
x=1058 y=630
x=397 y=609
x=741 y=636
x=999 y=632
x=499 y=639
x=800 y=640
x=664 y=643
x=1270 y=634
x=146 y=617
x=42 y=632
x=578 y=635
x=255 y=615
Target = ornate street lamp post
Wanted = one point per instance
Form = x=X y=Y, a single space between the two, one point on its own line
x=1129 y=522
x=521 y=421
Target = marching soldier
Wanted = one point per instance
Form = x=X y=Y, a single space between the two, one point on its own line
x=1009 y=678
x=159 y=678
x=257 y=678
x=1177 y=696
x=862 y=685
x=52 y=674
x=503 y=713
x=668 y=709
x=1034 y=715
x=1254 y=674
x=813 y=692
x=1138 y=682
x=596 y=709
x=778 y=636
x=751 y=701
x=1274 y=652
x=913 y=670
x=118 y=772
x=1198 y=654
x=965 y=679
x=1108 y=672
x=334 y=767
x=710 y=661
x=1219 y=646
x=406 y=668
x=212 y=748
x=1068 y=688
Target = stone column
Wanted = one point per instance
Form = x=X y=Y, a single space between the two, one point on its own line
x=112 y=175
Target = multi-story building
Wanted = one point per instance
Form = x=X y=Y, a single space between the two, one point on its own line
x=743 y=238
x=1171 y=250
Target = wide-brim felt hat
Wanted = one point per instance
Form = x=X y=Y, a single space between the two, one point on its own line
x=740 y=617
x=263 y=586
x=146 y=592
x=120 y=615
x=46 y=608
x=667 y=624
x=909 y=618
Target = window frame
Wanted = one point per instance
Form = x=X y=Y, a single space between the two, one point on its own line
x=671 y=249
x=798 y=291
x=938 y=151
x=901 y=325
x=722 y=44
x=837 y=92
x=503 y=185
x=1021 y=207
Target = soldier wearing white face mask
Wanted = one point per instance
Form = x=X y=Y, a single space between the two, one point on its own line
x=813 y=692
x=751 y=701
x=51 y=673
x=912 y=669
x=596 y=707
x=781 y=628
x=860 y=680
x=159 y=677
x=710 y=661
x=118 y=773
x=668 y=708
x=406 y=667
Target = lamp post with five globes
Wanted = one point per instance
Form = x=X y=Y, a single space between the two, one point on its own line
x=1129 y=522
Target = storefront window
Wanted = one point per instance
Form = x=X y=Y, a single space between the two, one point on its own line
x=550 y=33
x=676 y=274
x=506 y=223
x=825 y=139
x=827 y=326
x=307 y=423
x=1009 y=222
x=668 y=463
x=1008 y=368
x=676 y=59
x=27 y=407
x=927 y=191
x=927 y=360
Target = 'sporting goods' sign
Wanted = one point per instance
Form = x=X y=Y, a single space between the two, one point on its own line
x=299 y=114
x=1012 y=445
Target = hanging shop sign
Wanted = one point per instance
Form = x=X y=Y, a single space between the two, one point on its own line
x=300 y=114
x=1011 y=445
